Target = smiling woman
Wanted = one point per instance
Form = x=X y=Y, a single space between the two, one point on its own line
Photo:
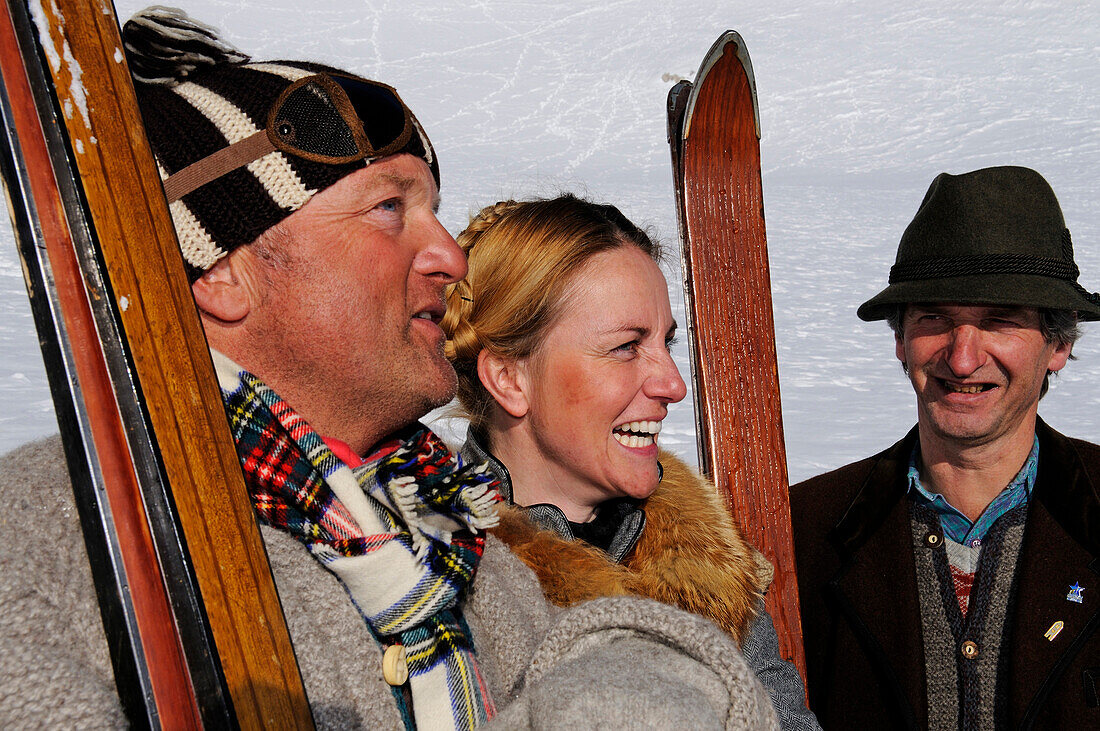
x=579 y=417
x=560 y=335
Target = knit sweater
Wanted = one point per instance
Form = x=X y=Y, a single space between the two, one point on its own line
x=678 y=546
x=962 y=652
x=618 y=661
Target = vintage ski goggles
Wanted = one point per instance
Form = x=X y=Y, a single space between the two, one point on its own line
x=326 y=118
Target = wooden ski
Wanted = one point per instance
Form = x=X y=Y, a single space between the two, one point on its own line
x=193 y=622
x=714 y=136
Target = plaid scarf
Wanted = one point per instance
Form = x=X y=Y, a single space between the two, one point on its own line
x=399 y=531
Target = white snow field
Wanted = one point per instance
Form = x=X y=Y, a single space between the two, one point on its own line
x=862 y=104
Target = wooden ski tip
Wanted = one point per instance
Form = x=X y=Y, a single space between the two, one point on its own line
x=677 y=103
x=729 y=42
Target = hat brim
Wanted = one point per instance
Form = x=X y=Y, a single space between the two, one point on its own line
x=1017 y=290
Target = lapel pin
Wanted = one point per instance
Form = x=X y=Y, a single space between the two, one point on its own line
x=1075 y=594
x=1054 y=630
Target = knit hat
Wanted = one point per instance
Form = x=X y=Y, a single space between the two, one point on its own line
x=241 y=145
x=993 y=236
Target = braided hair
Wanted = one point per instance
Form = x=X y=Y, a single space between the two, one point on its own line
x=522 y=257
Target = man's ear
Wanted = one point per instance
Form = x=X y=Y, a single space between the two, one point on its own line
x=1060 y=356
x=221 y=294
x=506 y=381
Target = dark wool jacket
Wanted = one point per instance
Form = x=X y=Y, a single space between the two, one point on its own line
x=861 y=616
x=678 y=546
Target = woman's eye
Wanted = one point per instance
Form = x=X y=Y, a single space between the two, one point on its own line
x=627 y=347
x=671 y=342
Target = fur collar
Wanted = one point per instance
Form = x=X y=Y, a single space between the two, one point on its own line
x=690 y=554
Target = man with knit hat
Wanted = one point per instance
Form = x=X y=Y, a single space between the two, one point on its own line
x=954 y=579
x=304 y=199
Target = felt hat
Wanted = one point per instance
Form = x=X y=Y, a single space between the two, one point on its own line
x=993 y=236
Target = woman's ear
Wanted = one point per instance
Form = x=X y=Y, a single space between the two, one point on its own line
x=220 y=294
x=506 y=381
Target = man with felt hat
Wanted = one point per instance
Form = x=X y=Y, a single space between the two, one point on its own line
x=954 y=578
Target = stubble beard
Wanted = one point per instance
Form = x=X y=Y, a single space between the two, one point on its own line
x=422 y=385
x=963 y=430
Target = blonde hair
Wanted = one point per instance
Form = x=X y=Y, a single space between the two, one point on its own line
x=522 y=256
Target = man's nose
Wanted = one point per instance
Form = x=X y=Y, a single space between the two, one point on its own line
x=964 y=353
x=441 y=256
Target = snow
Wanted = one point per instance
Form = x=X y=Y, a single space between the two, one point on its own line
x=862 y=104
x=76 y=88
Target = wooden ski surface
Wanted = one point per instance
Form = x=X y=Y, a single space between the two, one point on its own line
x=153 y=666
x=119 y=202
x=714 y=134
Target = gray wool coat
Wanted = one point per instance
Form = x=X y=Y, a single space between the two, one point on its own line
x=617 y=662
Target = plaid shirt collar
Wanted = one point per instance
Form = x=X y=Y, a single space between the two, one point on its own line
x=957 y=526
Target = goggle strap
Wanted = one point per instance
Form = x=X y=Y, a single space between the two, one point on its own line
x=212 y=167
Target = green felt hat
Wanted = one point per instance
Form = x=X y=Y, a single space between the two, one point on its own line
x=993 y=236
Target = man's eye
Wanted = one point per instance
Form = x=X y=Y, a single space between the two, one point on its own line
x=393 y=204
x=671 y=342
x=931 y=321
x=627 y=347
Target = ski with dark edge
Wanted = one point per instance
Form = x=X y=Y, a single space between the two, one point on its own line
x=714 y=136
x=193 y=622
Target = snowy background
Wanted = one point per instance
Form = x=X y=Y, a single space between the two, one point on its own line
x=862 y=104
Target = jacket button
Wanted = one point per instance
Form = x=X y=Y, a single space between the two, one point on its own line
x=932 y=539
x=394 y=668
x=970 y=649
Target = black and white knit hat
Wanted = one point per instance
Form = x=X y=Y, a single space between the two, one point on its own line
x=241 y=145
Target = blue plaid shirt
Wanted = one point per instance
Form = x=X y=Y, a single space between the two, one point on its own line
x=957 y=526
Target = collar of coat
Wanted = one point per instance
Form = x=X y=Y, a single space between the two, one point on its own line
x=628 y=514
x=690 y=553
x=1065 y=490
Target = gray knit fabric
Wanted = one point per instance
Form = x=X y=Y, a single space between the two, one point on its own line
x=779 y=677
x=613 y=663
x=637 y=651
x=989 y=602
x=330 y=642
x=940 y=650
x=963 y=692
x=50 y=631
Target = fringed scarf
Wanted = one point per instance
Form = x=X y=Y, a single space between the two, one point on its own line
x=400 y=532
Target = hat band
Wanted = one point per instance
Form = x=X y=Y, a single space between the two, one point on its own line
x=989 y=264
